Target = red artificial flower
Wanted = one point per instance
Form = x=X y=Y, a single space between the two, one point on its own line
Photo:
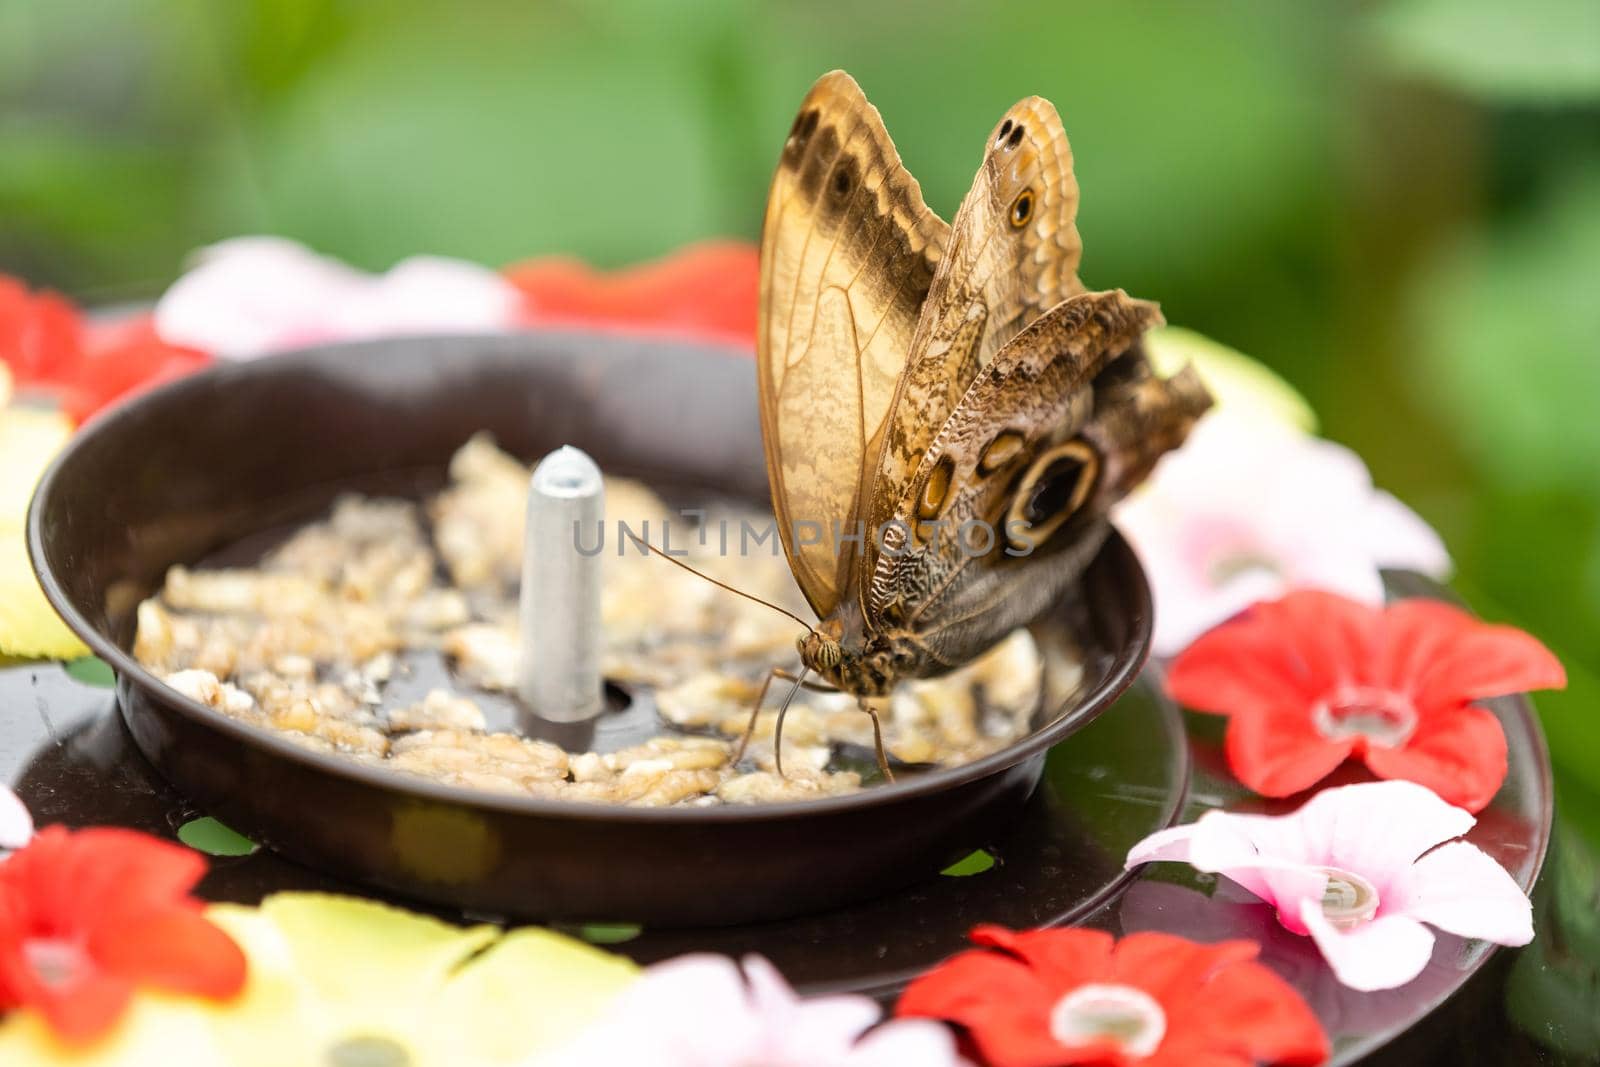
x=705 y=291
x=1314 y=679
x=87 y=916
x=1052 y=998
x=84 y=366
x=41 y=334
x=122 y=359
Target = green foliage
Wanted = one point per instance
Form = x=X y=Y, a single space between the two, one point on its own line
x=1511 y=322
x=497 y=130
x=1545 y=52
x=1508 y=362
x=1555 y=983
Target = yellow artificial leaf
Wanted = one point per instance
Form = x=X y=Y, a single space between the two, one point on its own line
x=157 y=1030
x=29 y=627
x=342 y=968
x=565 y=981
x=1236 y=381
x=29 y=440
x=351 y=952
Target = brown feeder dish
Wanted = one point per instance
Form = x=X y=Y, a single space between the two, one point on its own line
x=243 y=449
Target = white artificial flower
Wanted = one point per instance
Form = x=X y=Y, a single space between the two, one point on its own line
x=1250 y=509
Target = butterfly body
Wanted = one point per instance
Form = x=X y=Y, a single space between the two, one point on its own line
x=860 y=660
x=947 y=414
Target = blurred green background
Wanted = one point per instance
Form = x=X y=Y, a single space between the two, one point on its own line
x=1397 y=205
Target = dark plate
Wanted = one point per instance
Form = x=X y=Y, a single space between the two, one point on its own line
x=1060 y=861
x=206 y=462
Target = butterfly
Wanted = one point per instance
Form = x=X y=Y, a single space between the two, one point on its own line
x=947 y=413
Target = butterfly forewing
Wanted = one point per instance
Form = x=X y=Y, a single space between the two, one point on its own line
x=848 y=253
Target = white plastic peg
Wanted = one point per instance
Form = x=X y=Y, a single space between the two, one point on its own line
x=560 y=608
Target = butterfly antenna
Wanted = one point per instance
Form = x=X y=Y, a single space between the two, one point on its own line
x=783 y=709
x=676 y=562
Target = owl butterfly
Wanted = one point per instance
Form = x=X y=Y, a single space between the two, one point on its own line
x=947 y=414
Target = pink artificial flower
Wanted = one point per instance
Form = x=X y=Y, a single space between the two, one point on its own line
x=705 y=1011
x=16 y=825
x=1226 y=912
x=1360 y=869
x=1250 y=509
x=253 y=295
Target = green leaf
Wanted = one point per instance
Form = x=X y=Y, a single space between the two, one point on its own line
x=1571 y=728
x=1510 y=325
x=1507 y=328
x=1551 y=992
x=92 y=670
x=214 y=839
x=1578 y=809
x=974 y=863
x=1537 y=51
x=609 y=933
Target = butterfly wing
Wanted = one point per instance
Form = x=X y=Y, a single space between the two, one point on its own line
x=848 y=253
x=1009 y=501
x=1012 y=256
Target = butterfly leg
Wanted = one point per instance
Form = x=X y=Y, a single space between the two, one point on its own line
x=755 y=712
x=877 y=741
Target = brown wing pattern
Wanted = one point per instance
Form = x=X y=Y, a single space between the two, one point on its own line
x=1023 y=420
x=1013 y=255
x=848 y=253
x=1139 y=418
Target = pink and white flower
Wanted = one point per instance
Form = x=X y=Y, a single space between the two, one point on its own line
x=16 y=825
x=1360 y=870
x=708 y=1011
x=250 y=296
x=1250 y=509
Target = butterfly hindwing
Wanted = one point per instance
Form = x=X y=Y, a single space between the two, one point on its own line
x=1010 y=499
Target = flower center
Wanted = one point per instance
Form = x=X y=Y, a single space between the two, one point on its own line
x=1128 y=1017
x=56 y=962
x=1382 y=716
x=1348 y=900
x=1228 y=566
x=368 y=1052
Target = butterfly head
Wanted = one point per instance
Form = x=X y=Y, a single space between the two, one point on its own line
x=821 y=651
x=861 y=663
